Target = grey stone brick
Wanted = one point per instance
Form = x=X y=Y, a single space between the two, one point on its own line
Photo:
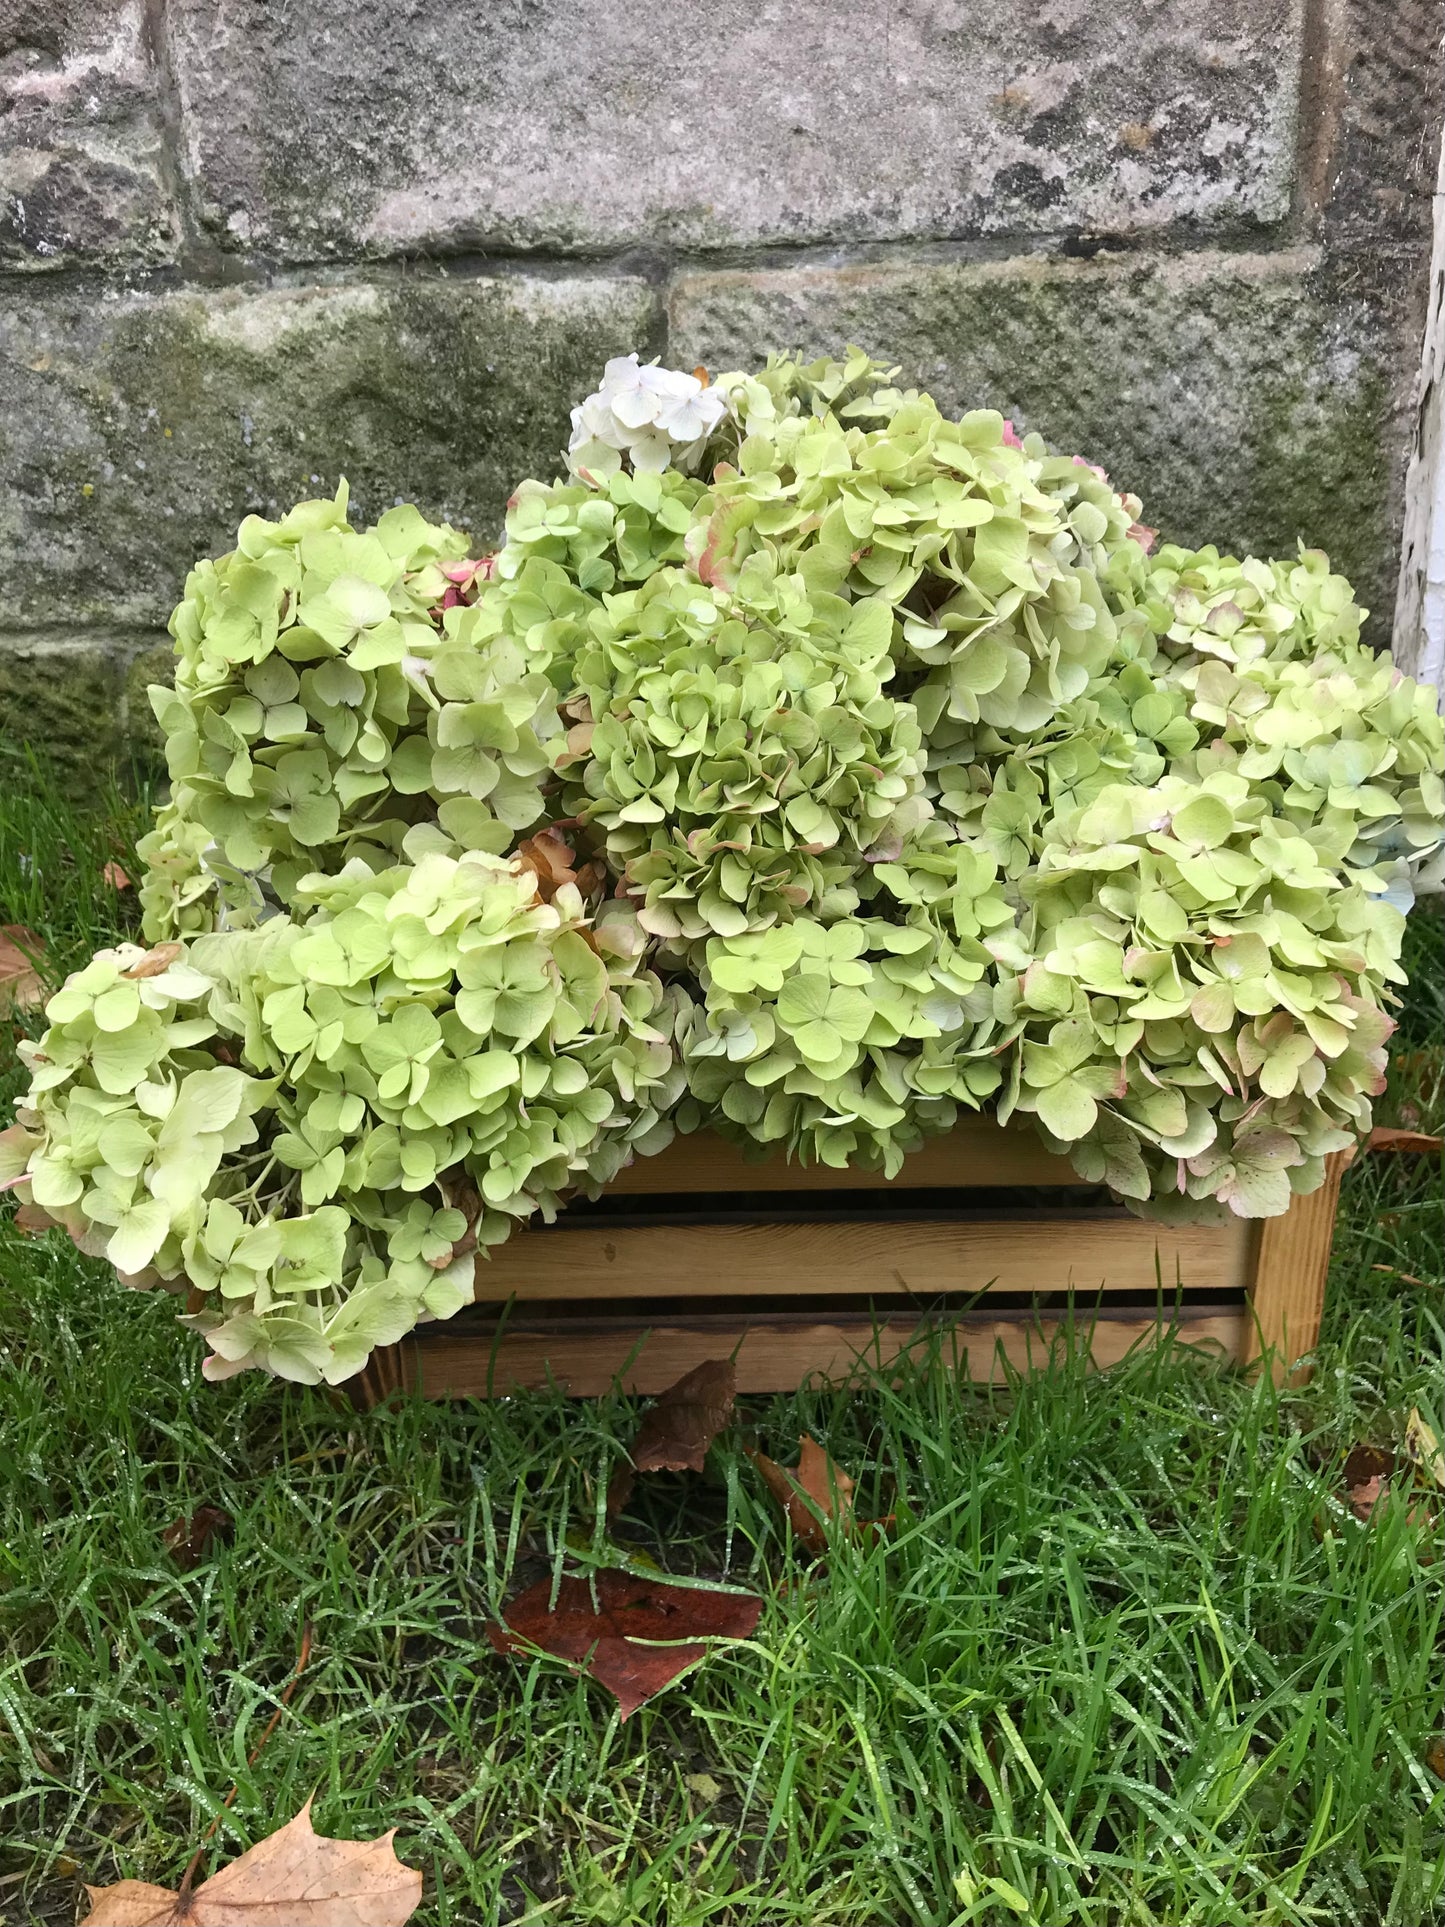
x=315 y=130
x=82 y=177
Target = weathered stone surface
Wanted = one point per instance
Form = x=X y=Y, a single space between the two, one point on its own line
x=136 y=432
x=313 y=129
x=153 y=663
x=1372 y=111
x=81 y=172
x=67 y=695
x=1249 y=399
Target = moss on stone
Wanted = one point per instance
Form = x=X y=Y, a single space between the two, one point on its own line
x=140 y=432
x=156 y=664
x=65 y=700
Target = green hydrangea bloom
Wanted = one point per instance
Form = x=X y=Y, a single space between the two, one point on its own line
x=849 y=1042
x=419 y=1058
x=1198 y=974
x=740 y=755
x=335 y=690
x=805 y=764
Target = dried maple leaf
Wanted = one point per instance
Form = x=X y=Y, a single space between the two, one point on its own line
x=293 y=1879
x=636 y=1638
x=816 y=1478
x=21 y=985
x=675 y=1434
x=188 y=1538
x=1386 y=1138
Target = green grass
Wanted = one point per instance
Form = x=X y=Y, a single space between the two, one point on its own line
x=1118 y=1662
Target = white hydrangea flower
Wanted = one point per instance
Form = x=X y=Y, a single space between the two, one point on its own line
x=656 y=417
x=595 y=421
x=631 y=391
x=685 y=409
x=651 y=450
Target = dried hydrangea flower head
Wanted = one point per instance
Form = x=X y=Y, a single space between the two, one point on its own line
x=807 y=764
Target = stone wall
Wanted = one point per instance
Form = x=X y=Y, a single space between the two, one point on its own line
x=247 y=246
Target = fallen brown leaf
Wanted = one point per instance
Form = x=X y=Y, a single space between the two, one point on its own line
x=1365 y=1476
x=1423 y=1447
x=1366 y=1496
x=1386 y=1138
x=21 y=985
x=115 y=877
x=188 y=1538
x=637 y=1637
x=1371 y=1474
x=296 y=1878
x=675 y=1434
x=1435 y=1758
x=816 y=1478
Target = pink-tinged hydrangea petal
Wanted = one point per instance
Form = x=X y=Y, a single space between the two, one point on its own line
x=1010 y=435
x=464 y=578
x=1093 y=468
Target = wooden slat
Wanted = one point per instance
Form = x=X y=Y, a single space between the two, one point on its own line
x=585 y=1364
x=1288 y=1294
x=387 y=1370
x=975 y=1152
x=1045 y=1254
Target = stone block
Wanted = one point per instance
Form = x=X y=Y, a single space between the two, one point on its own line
x=315 y=130
x=137 y=430
x=1249 y=399
x=82 y=175
x=65 y=695
x=1372 y=112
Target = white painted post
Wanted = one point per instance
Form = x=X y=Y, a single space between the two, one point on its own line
x=1419 y=645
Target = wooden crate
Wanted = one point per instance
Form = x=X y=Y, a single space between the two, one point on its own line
x=983 y=1236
